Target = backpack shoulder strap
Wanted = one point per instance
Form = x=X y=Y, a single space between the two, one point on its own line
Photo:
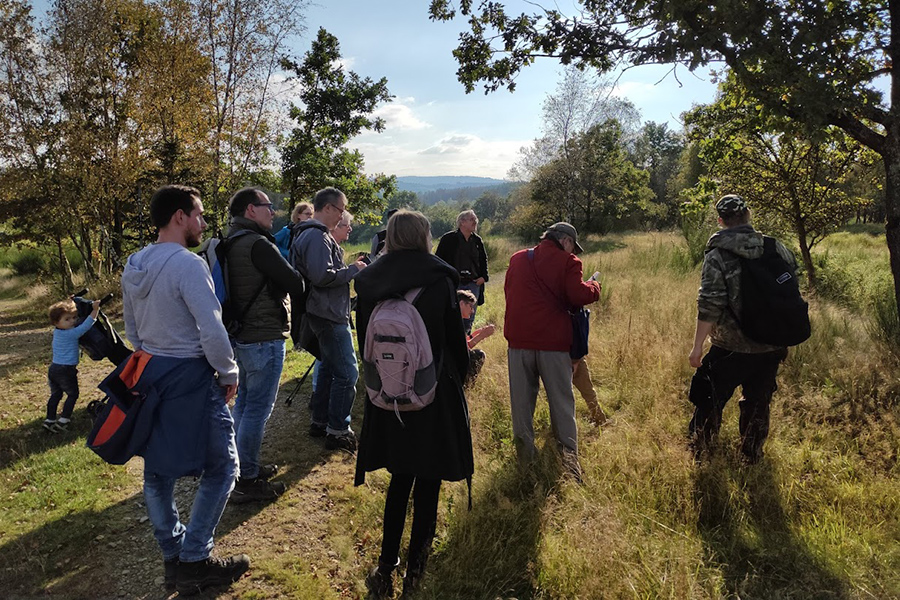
x=769 y=246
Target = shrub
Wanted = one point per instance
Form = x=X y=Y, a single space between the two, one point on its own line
x=885 y=323
x=29 y=262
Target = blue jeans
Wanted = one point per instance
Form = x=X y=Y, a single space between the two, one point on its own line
x=338 y=373
x=194 y=542
x=475 y=289
x=260 y=365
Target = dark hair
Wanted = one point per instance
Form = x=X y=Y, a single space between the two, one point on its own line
x=61 y=309
x=466 y=296
x=325 y=197
x=736 y=218
x=168 y=200
x=243 y=198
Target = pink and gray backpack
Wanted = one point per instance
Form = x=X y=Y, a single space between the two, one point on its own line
x=399 y=366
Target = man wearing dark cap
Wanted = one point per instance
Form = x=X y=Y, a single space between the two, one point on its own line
x=733 y=359
x=378 y=239
x=542 y=284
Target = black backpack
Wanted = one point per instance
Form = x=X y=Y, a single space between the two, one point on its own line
x=772 y=309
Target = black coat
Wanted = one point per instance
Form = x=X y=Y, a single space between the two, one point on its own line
x=435 y=442
x=447 y=248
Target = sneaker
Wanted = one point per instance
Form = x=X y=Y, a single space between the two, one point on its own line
x=192 y=577
x=49 y=425
x=62 y=425
x=316 y=430
x=256 y=489
x=345 y=441
x=171 y=569
x=267 y=472
x=572 y=466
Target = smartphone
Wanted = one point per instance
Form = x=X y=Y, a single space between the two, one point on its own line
x=595 y=276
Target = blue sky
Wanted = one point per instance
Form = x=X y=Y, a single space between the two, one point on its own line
x=433 y=126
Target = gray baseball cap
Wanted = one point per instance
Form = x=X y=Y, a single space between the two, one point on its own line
x=730 y=204
x=570 y=231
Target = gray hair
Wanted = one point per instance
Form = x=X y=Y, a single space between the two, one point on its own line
x=465 y=215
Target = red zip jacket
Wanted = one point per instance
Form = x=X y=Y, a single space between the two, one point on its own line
x=535 y=319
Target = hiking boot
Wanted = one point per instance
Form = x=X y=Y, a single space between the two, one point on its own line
x=380 y=580
x=267 y=472
x=192 y=577
x=255 y=490
x=49 y=425
x=345 y=441
x=171 y=569
x=316 y=430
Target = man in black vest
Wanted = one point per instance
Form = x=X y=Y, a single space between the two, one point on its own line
x=733 y=359
x=464 y=250
x=260 y=280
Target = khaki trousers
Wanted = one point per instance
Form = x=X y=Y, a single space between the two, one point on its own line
x=527 y=368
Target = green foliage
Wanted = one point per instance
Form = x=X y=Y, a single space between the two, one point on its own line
x=29 y=261
x=336 y=106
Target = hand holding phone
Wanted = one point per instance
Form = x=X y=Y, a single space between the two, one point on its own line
x=595 y=276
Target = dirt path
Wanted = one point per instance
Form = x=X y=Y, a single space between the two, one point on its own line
x=301 y=546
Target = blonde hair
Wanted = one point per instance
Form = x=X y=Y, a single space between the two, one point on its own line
x=408 y=230
x=60 y=309
x=301 y=206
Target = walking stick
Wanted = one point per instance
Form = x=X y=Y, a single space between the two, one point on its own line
x=296 y=390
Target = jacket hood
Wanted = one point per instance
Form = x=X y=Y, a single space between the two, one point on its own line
x=310 y=224
x=741 y=240
x=396 y=272
x=238 y=223
x=144 y=266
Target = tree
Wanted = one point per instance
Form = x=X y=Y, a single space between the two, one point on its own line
x=597 y=185
x=658 y=150
x=805 y=184
x=336 y=106
x=816 y=63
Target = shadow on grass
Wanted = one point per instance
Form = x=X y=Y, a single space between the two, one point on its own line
x=747 y=533
x=111 y=552
x=18 y=443
x=492 y=551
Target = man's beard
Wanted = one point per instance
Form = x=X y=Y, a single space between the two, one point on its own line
x=192 y=240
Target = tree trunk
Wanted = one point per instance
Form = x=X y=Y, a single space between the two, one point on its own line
x=891 y=159
x=806 y=257
x=65 y=269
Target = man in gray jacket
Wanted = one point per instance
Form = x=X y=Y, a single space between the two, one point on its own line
x=320 y=259
x=171 y=310
x=259 y=281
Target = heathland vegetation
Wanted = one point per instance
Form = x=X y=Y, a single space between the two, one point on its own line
x=818 y=518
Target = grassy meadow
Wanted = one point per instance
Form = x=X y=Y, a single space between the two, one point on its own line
x=819 y=517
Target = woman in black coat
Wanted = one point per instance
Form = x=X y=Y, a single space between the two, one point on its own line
x=430 y=445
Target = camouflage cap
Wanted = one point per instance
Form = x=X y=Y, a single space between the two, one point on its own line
x=730 y=204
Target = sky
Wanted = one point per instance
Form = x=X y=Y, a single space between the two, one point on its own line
x=433 y=126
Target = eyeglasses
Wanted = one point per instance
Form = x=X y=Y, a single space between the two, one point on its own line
x=268 y=205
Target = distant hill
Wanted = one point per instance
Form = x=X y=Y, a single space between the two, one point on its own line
x=432 y=190
x=421 y=185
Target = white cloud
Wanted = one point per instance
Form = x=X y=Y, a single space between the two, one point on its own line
x=400 y=116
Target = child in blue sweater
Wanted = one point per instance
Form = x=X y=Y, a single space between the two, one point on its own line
x=63 y=373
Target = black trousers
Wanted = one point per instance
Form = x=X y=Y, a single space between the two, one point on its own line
x=62 y=379
x=720 y=373
x=425 y=504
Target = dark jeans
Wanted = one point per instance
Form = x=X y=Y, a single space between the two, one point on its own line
x=720 y=373
x=425 y=504
x=62 y=379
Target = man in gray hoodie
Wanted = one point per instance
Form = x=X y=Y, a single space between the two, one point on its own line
x=733 y=359
x=320 y=259
x=171 y=311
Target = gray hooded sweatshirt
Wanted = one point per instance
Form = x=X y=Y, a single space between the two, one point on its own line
x=170 y=308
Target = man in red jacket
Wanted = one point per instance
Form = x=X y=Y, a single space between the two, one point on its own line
x=542 y=284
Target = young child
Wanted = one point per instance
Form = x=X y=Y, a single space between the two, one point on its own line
x=467 y=303
x=63 y=373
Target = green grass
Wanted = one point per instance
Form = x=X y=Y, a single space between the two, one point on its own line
x=818 y=518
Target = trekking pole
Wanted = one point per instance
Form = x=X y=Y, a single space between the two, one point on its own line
x=296 y=390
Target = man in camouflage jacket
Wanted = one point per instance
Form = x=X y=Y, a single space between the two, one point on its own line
x=733 y=359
